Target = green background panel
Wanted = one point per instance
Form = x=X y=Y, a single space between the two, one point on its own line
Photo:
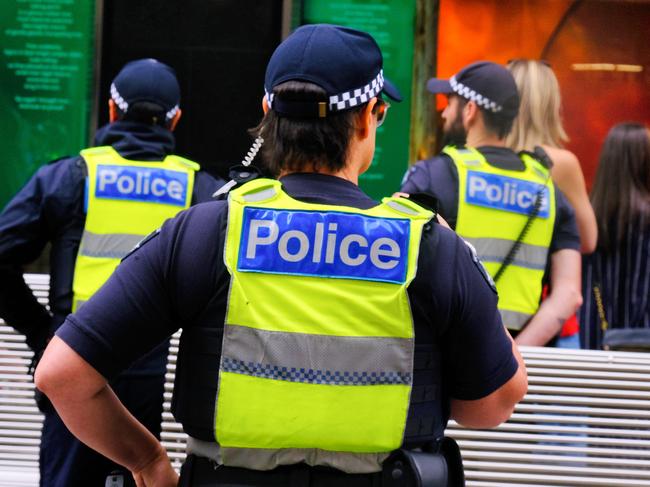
x=392 y=24
x=46 y=76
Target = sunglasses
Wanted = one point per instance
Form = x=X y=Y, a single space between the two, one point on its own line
x=381 y=109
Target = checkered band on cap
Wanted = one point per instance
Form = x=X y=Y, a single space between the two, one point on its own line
x=358 y=96
x=351 y=98
x=269 y=98
x=124 y=105
x=470 y=94
x=117 y=98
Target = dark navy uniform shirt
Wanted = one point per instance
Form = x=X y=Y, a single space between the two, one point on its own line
x=178 y=279
x=439 y=176
x=50 y=209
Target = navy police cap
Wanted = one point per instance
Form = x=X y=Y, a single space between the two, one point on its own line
x=346 y=63
x=147 y=80
x=489 y=85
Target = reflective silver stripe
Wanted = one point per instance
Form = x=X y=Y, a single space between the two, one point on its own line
x=514 y=320
x=317 y=359
x=262 y=195
x=465 y=153
x=112 y=245
x=397 y=206
x=495 y=250
x=266 y=459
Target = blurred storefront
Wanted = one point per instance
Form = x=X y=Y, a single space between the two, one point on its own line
x=57 y=58
x=599 y=50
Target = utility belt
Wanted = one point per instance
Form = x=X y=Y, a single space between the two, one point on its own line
x=403 y=468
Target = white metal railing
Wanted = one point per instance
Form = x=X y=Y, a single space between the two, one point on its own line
x=584 y=422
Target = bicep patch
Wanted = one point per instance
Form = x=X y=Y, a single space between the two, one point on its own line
x=479 y=265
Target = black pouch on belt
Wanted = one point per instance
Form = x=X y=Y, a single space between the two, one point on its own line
x=438 y=466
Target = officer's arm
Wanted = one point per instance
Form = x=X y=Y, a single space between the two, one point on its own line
x=483 y=367
x=495 y=408
x=23 y=236
x=564 y=298
x=93 y=413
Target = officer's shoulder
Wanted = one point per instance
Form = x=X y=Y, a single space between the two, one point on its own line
x=438 y=160
x=207 y=211
x=451 y=253
x=65 y=171
x=469 y=249
x=194 y=224
x=539 y=154
x=208 y=177
x=63 y=160
x=428 y=169
x=438 y=241
x=62 y=163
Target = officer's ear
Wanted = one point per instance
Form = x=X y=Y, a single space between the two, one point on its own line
x=471 y=113
x=112 y=111
x=265 y=105
x=174 y=121
x=366 y=118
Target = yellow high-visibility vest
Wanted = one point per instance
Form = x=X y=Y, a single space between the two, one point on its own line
x=493 y=207
x=318 y=339
x=125 y=200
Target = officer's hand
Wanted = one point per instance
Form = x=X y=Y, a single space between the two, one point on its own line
x=158 y=473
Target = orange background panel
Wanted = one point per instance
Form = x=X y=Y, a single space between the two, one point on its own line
x=494 y=30
x=606 y=31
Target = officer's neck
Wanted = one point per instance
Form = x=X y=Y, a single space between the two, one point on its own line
x=482 y=138
x=356 y=163
x=348 y=173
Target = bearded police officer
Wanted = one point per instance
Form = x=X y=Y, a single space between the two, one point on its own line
x=505 y=205
x=93 y=209
x=322 y=331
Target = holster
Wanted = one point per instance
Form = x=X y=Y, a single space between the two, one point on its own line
x=439 y=465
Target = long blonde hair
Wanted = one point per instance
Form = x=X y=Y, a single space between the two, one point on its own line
x=539 y=119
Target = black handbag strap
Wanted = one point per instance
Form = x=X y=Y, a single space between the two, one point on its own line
x=598 y=295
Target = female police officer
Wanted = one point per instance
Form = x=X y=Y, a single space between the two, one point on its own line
x=321 y=330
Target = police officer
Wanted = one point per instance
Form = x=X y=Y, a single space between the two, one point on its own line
x=92 y=209
x=505 y=205
x=322 y=331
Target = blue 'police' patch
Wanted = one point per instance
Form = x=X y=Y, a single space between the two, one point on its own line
x=145 y=184
x=504 y=193
x=340 y=245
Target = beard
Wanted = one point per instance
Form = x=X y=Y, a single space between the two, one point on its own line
x=455 y=134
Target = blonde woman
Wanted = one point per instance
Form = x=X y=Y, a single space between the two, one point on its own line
x=539 y=124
